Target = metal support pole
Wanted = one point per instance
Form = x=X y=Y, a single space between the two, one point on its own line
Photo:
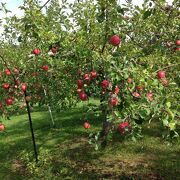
x=31 y=128
x=49 y=108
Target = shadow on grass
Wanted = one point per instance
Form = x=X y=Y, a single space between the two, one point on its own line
x=73 y=157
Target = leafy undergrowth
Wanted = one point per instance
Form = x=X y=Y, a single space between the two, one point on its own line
x=64 y=152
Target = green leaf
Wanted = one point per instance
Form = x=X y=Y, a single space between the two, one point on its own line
x=134 y=139
x=168 y=104
x=96 y=147
x=172 y=125
x=120 y=10
x=147 y=14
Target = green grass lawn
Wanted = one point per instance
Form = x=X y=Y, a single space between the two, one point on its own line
x=66 y=154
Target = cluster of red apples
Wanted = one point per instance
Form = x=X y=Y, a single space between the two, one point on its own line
x=175 y=46
x=9 y=88
x=37 y=52
x=113 y=94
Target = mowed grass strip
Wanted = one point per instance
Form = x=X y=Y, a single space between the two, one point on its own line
x=69 y=156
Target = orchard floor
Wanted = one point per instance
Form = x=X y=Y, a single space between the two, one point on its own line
x=66 y=154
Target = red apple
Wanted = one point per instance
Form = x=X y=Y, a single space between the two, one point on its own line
x=36 y=51
x=86 y=77
x=177 y=49
x=136 y=94
x=149 y=96
x=93 y=74
x=86 y=125
x=7 y=72
x=83 y=96
x=16 y=71
x=45 y=67
x=115 y=40
x=114 y=101
x=161 y=74
x=80 y=83
x=6 y=86
x=178 y=42
x=54 y=49
x=122 y=126
x=105 y=84
x=139 y=88
x=130 y=80
x=2 y=127
x=116 y=90
x=23 y=87
x=9 y=101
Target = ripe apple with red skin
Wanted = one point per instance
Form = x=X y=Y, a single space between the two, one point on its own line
x=93 y=74
x=122 y=126
x=45 y=67
x=136 y=94
x=161 y=74
x=139 y=88
x=114 y=101
x=16 y=71
x=130 y=80
x=54 y=49
x=105 y=84
x=36 y=51
x=115 y=40
x=177 y=49
x=80 y=83
x=2 y=127
x=6 y=86
x=149 y=96
x=116 y=90
x=9 y=101
x=1 y=105
x=23 y=87
x=86 y=77
x=83 y=96
x=178 y=42
x=87 y=125
x=7 y=72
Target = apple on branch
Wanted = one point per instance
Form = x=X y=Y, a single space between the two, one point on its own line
x=2 y=127
x=86 y=125
x=115 y=40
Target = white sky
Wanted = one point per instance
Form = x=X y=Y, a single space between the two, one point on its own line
x=13 y=5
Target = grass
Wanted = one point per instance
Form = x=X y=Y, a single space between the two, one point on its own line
x=66 y=154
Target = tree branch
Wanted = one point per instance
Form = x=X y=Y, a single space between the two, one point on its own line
x=171 y=65
x=45 y=4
